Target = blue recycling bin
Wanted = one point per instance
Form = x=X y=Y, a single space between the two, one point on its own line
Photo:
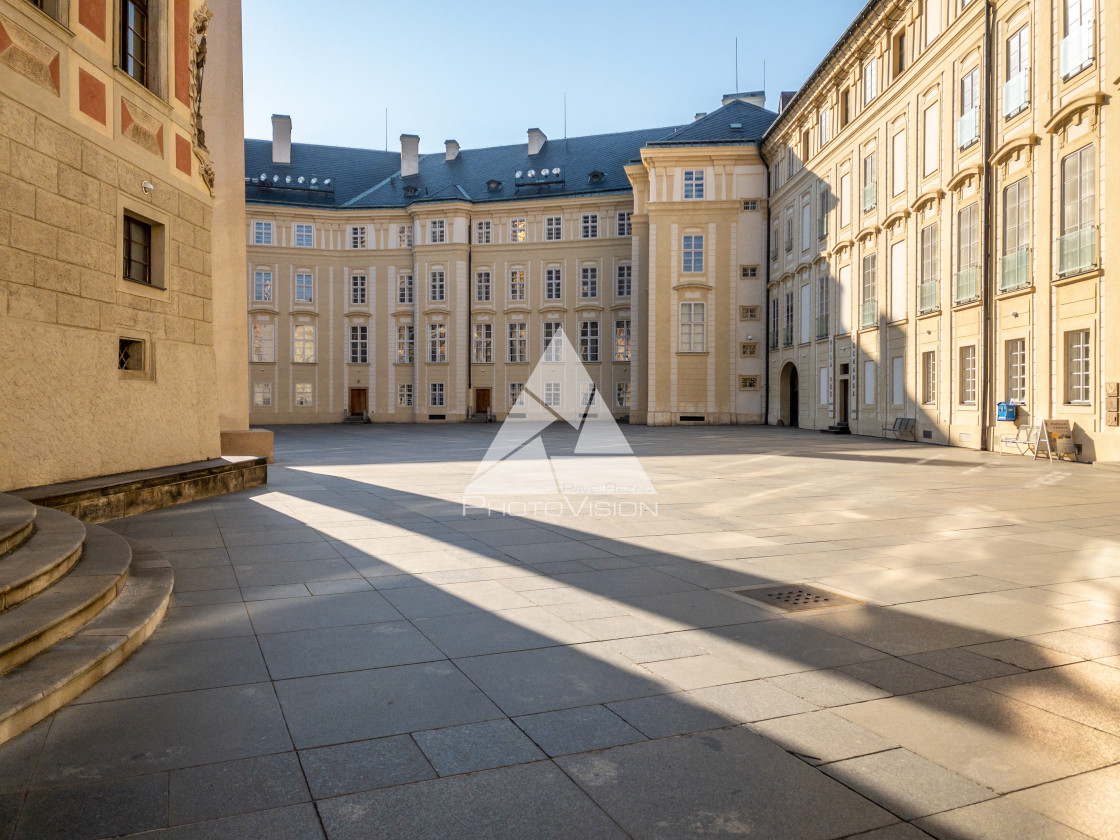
x=1005 y=411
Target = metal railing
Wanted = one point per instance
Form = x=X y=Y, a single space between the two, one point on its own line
x=1016 y=94
x=1077 y=49
x=929 y=296
x=1015 y=270
x=868 y=313
x=967 y=285
x=1077 y=251
x=968 y=128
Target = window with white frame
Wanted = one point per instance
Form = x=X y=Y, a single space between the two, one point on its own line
x=305 y=236
x=1016 y=217
x=404 y=288
x=552 y=342
x=692 y=254
x=553 y=228
x=358 y=289
x=622 y=340
x=437 y=286
x=305 y=287
x=404 y=236
x=552 y=394
x=517 y=342
x=968 y=253
x=437 y=231
x=589 y=341
x=1077 y=45
x=552 y=284
x=693 y=184
x=262 y=286
x=303 y=344
x=515 y=389
x=359 y=345
x=822 y=305
x=929 y=296
x=623 y=226
x=587 y=395
x=1079 y=210
x=692 y=326
x=870 y=182
x=823 y=198
x=806 y=223
x=787 y=331
x=483 y=347
x=869 y=313
x=517 y=284
x=482 y=232
x=1017 y=88
x=517 y=230
x=264 y=343
x=589 y=282
x=822 y=127
x=404 y=395
x=968 y=128
x=406 y=344
x=262 y=233
x=789 y=230
x=968 y=375
x=357 y=237
x=262 y=394
x=482 y=286
x=437 y=343
x=435 y=395
x=1016 y=350
x=929 y=377
x=622 y=280
x=589 y=226
x=775 y=327
x=870 y=80
x=622 y=394
x=304 y=394
x=1078 y=368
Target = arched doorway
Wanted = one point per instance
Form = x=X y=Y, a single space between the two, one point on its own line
x=789 y=395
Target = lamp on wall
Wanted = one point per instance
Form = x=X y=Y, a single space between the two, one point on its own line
x=148 y=187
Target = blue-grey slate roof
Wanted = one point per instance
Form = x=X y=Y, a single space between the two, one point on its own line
x=366 y=178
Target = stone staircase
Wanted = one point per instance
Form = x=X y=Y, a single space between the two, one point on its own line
x=73 y=606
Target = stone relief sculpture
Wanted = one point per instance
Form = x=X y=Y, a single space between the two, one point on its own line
x=197 y=67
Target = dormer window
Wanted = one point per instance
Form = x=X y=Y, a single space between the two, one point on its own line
x=411 y=190
x=596 y=176
x=493 y=185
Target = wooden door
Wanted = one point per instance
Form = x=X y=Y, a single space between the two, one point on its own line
x=359 y=401
x=482 y=400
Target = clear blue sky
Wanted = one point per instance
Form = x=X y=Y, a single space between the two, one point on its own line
x=482 y=73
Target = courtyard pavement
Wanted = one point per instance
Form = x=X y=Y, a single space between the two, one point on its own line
x=347 y=655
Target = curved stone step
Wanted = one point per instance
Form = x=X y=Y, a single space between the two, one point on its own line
x=67 y=605
x=51 y=552
x=17 y=518
x=55 y=677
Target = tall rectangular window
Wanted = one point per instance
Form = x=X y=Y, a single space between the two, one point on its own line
x=589 y=341
x=692 y=328
x=587 y=395
x=135 y=39
x=437 y=286
x=262 y=286
x=898 y=53
x=552 y=342
x=869 y=183
x=359 y=345
x=552 y=284
x=264 y=343
x=517 y=343
x=137 y=251
x=822 y=305
x=968 y=254
x=1017 y=88
x=929 y=378
x=931 y=146
x=404 y=395
x=262 y=394
x=622 y=395
x=552 y=394
x=774 y=326
x=870 y=81
x=968 y=375
x=1078 y=368
x=303 y=344
x=515 y=389
x=554 y=228
x=482 y=286
x=589 y=282
x=1016 y=217
x=806 y=224
x=304 y=394
x=869 y=308
x=357 y=237
x=262 y=233
x=482 y=232
x=404 y=236
x=516 y=230
x=693 y=184
x=517 y=284
x=483 y=344
x=929 y=295
x=305 y=236
x=822 y=127
x=787 y=328
x=404 y=288
x=822 y=212
x=436 y=395
x=406 y=344
x=1077 y=45
x=622 y=340
x=968 y=128
x=305 y=288
x=622 y=223
x=1078 y=245
x=898 y=163
x=1017 y=371
x=437 y=231
x=845 y=107
x=692 y=254
x=589 y=226
x=358 y=289
x=622 y=277
x=845 y=200
x=844 y=300
x=437 y=343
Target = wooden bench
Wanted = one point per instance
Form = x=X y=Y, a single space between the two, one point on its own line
x=902 y=426
x=1025 y=440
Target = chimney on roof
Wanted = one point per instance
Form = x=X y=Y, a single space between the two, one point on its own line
x=785 y=99
x=700 y=115
x=410 y=155
x=452 y=147
x=751 y=97
x=536 y=141
x=281 y=138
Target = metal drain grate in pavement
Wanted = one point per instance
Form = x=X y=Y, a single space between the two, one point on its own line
x=794 y=597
